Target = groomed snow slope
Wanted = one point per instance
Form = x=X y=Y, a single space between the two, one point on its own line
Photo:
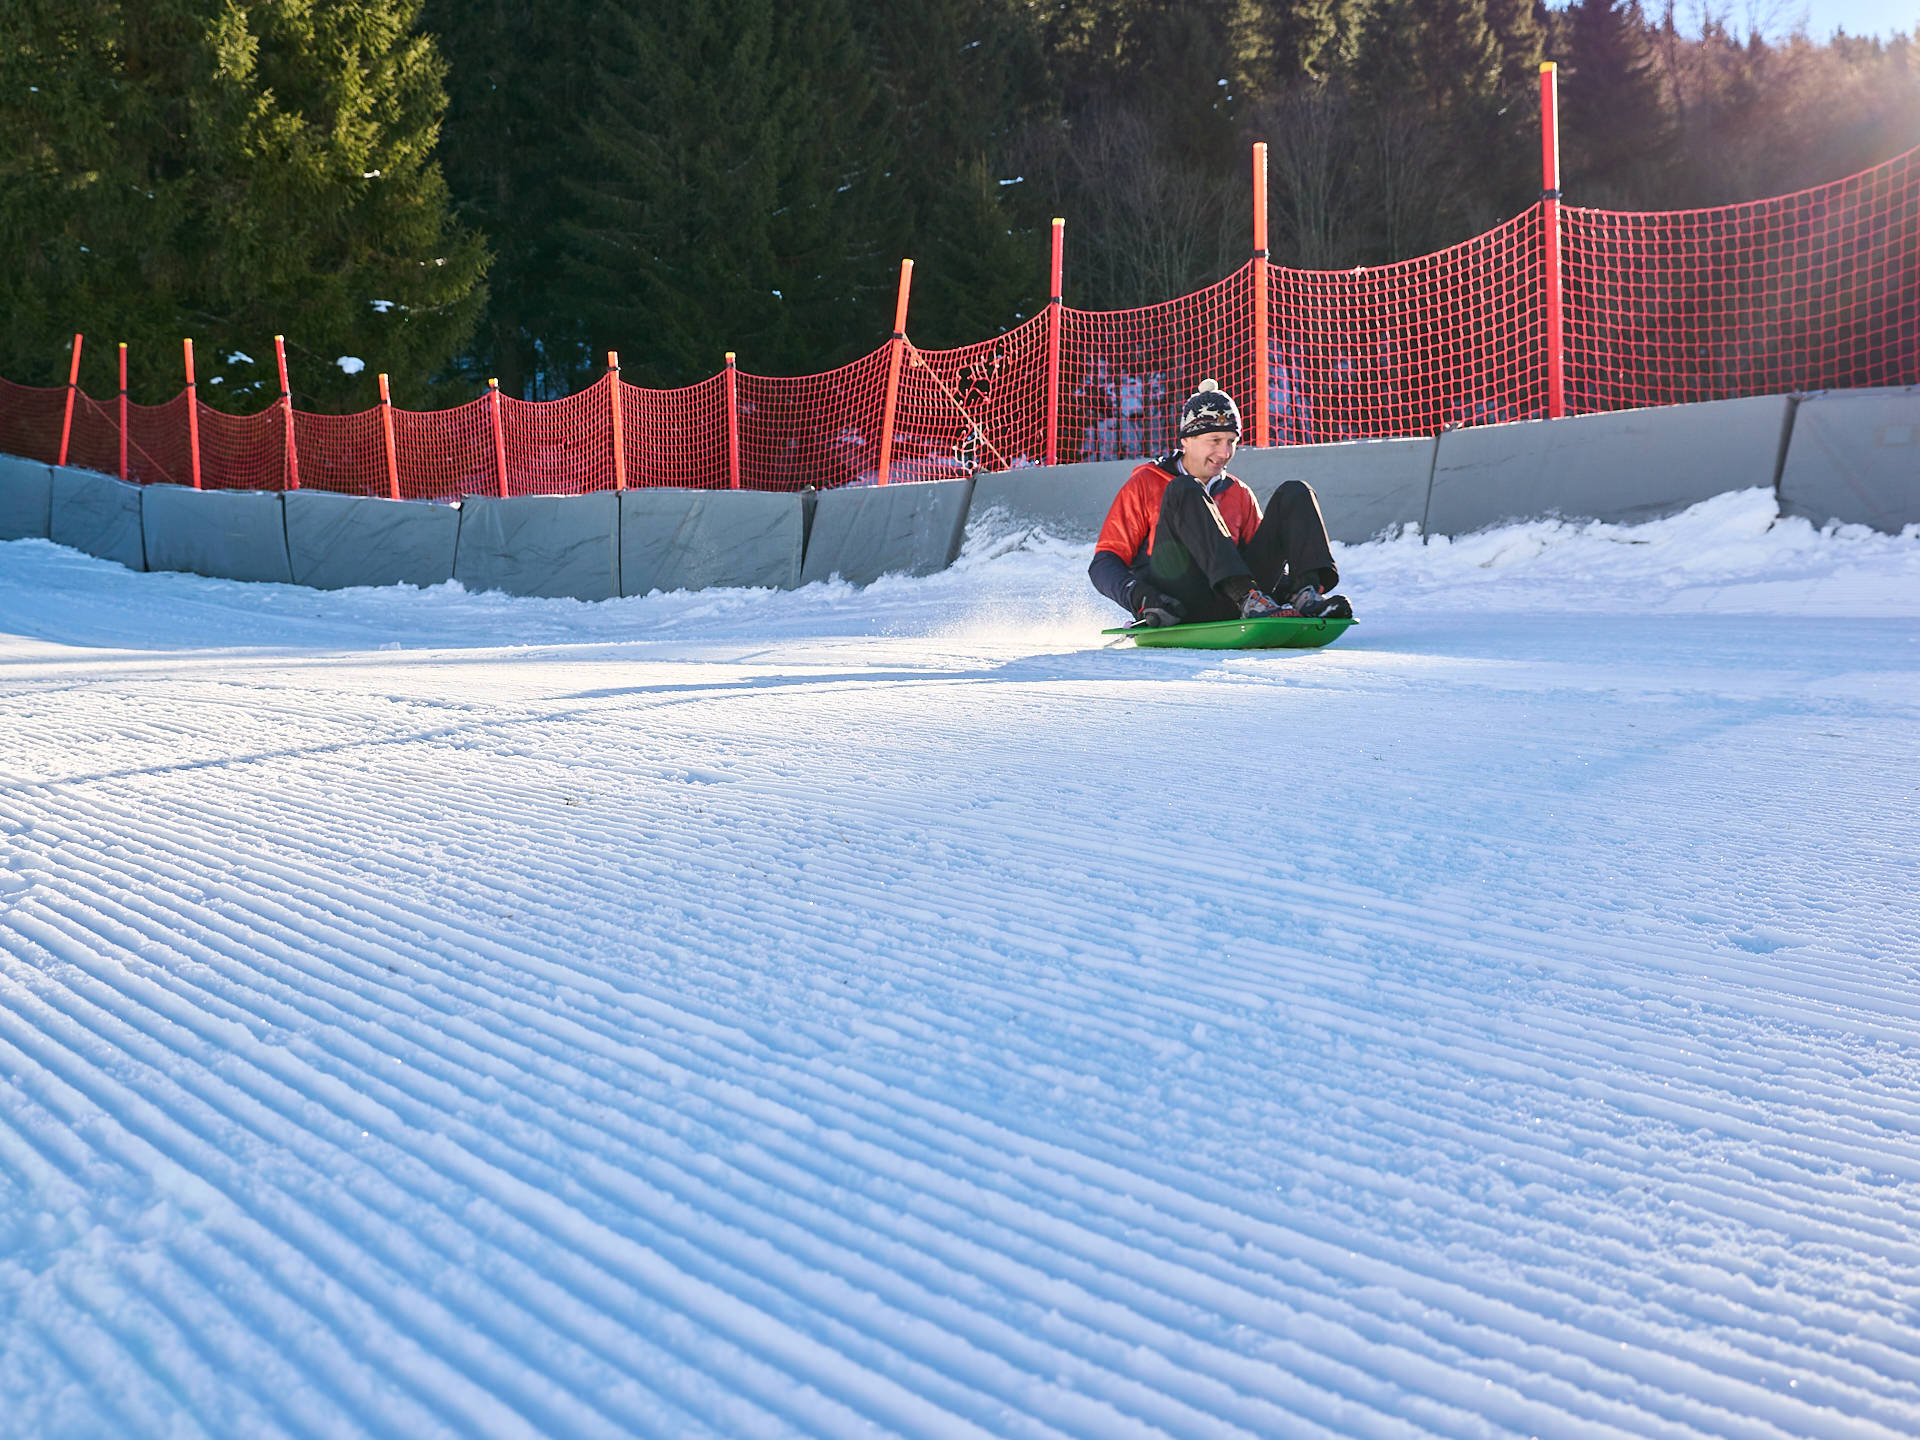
x=891 y=1012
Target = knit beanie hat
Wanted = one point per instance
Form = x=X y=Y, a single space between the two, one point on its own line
x=1209 y=409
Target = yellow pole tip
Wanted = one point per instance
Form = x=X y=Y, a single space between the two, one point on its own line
x=493 y=382
x=730 y=357
x=1059 y=220
x=1546 y=67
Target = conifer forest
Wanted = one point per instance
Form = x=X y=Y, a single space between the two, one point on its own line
x=449 y=190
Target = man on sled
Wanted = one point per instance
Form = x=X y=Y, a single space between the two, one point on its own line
x=1185 y=542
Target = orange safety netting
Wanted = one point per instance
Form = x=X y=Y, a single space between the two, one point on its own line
x=975 y=405
x=347 y=453
x=1124 y=373
x=159 y=448
x=95 y=443
x=1816 y=290
x=677 y=437
x=1452 y=338
x=820 y=430
x=243 y=452
x=30 y=418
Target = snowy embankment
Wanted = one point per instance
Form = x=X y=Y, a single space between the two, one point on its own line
x=892 y=1012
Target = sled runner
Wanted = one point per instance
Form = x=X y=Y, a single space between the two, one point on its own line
x=1281 y=632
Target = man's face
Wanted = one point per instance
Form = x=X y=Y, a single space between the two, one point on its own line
x=1205 y=456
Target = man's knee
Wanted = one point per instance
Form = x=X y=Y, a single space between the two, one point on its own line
x=1169 y=563
x=1187 y=508
x=1294 y=492
x=1182 y=490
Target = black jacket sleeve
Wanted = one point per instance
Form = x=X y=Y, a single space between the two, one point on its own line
x=1112 y=578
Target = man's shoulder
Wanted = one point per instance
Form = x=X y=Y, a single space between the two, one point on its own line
x=1130 y=517
x=1151 y=471
x=1141 y=488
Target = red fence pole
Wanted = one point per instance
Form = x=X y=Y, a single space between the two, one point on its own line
x=1261 y=357
x=386 y=424
x=896 y=352
x=123 y=409
x=1053 y=342
x=499 y=438
x=1550 y=223
x=193 y=413
x=619 y=441
x=733 y=425
x=290 y=478
x=73 y=384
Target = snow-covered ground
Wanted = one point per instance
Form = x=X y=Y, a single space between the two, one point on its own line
x=899 y=1012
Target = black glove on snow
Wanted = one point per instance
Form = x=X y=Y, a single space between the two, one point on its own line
x=1153 y=609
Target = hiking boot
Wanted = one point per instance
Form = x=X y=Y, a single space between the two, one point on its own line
x=1308 y=601
x=1261 y=606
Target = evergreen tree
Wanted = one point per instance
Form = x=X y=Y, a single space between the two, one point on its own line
x=977 y=270
x=1441 y=57
x=1349 y=25
x=195 y=167
x=1520 y=30
x=517 y=76
x=1293 y=39
x=1187 y=77
x=1428 y=74
x=1145 y=160
x=960 y=78
x=1510 y=164
x=741 y=198
x=1082 y=41
x=1617 y=128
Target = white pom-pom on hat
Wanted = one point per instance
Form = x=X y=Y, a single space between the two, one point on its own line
x=1206 y=385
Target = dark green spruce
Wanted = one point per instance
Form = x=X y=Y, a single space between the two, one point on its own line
x=738 y=195
x=194 y=167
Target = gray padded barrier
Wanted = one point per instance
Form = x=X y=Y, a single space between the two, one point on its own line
x=1855 y=457
x=228 y=534
x=338 y=541
x=551 y=546
x=1366 y=487
x=865 y=531
x=1069 y=501
x=1626 y=465
x=98 y=515
x=691 y=539
x=26 y=498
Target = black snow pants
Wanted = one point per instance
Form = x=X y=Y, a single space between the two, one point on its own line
x=1193 y=550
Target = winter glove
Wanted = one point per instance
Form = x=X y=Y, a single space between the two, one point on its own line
x=1152 y=609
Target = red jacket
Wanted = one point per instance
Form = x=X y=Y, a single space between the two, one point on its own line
x=1135 y=513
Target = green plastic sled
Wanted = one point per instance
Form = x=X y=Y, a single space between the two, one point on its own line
x=1280 y=632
